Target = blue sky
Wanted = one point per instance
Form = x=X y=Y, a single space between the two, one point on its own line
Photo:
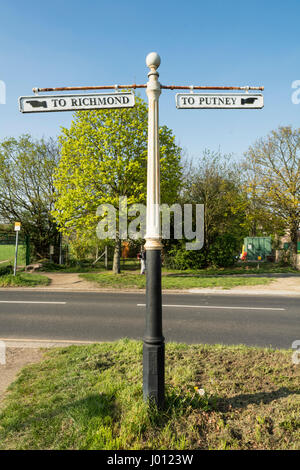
x=64 y=43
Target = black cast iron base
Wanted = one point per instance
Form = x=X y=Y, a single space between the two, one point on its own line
x=154 y=347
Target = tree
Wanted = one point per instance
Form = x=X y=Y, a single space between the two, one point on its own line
x=26 y=181
x=260 y=219
x=273 y=165
x=104 y=156
x=216 y=183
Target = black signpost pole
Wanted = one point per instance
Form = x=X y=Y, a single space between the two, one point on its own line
x=154 y=348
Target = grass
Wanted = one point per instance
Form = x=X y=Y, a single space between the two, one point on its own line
x=76 y=268
x=23 y=280
x=90 y=397
x=7 y=252
x=88 y=267
x=241 y=268
x=129 y=280
x=133 y=265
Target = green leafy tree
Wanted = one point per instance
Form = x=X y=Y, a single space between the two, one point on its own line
x=27 y=190
x=273 y=166
x=104 y=156
x=215 y=182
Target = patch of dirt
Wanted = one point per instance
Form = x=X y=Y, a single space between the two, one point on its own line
x=70 y=281
x=282 y=283
x=16 y=358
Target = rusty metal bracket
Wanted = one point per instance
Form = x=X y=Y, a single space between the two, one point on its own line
x=134 y=86
x=86 y=88
x=173 y=87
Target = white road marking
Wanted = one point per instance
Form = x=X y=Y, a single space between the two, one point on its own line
x=26 y=340
x=219 y=306
x=29 y=302
x=42 y=343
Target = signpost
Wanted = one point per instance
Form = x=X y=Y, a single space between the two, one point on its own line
x=40 y=104
x=153 y=349
x=17 y=230
x=154 y=346
x=219 y=101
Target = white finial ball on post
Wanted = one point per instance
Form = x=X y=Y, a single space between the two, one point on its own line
x=153 y=60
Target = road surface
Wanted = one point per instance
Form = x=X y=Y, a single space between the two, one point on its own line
x=190 y=318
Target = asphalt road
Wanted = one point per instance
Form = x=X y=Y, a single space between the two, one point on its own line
x=191 y=318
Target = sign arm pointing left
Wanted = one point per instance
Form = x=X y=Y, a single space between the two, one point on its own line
x=52 y=103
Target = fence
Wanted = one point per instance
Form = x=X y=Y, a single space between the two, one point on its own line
x=258 y=247
x=7 y=250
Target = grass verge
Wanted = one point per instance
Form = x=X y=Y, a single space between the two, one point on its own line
x=133 y=265
x=138 y=281
x=240 y=268
x=23 y=280
x=90 y=397
x=88 y=267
